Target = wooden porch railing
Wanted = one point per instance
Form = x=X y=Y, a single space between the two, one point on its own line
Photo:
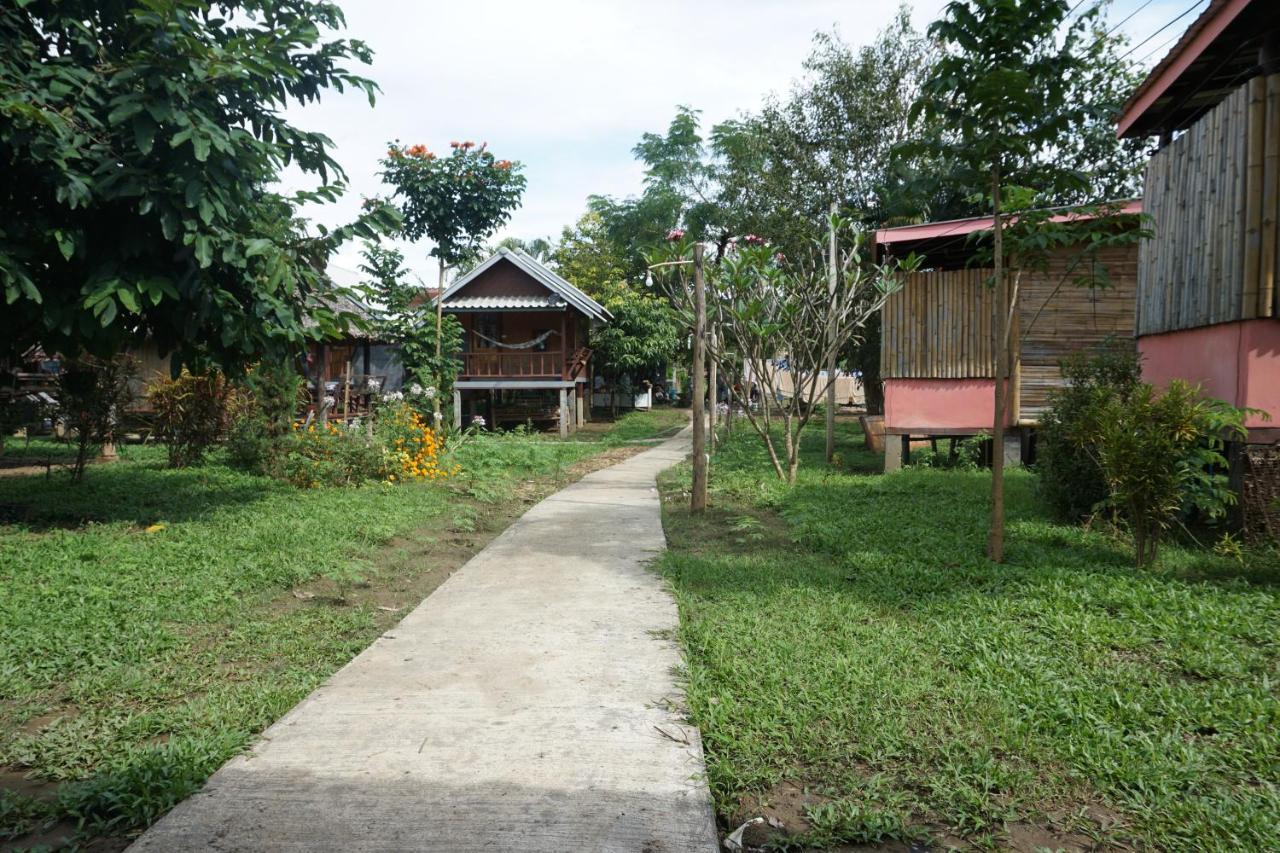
x=514 y=364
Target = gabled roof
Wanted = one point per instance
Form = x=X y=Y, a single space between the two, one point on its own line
x=561 y=291
x=1216 y=54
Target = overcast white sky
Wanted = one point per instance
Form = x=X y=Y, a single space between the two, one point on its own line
x=568 y=86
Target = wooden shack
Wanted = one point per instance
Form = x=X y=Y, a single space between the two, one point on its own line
x=937 y=352
x=1208 y=302
x=525 y=356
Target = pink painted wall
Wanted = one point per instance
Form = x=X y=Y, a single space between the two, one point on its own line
x=1237 y=362
x=924 y=404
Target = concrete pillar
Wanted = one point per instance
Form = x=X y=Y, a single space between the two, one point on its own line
x=457 y=409
x=578 y=394
x=564 y=413
x=1013 y=449
x=897 y=448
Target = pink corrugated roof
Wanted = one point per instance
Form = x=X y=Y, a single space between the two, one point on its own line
x=960 y=227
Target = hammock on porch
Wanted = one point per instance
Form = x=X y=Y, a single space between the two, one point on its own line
x=523 y=345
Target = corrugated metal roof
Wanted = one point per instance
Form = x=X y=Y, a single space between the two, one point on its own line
x=556 y=285
x=961 y=227
x=493 y=303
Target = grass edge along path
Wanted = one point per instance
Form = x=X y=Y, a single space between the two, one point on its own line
x=153 y=621
x=860 y=673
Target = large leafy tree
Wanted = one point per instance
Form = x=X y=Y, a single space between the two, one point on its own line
x=588 y=258
x=139 y=143
x=402 y=317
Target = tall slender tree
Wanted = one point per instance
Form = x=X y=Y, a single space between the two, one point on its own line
x=1006 y=91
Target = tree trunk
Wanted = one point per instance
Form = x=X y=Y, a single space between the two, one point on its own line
x=435 y=400
x=995 y=536
x=831 y=333
x=698 y=500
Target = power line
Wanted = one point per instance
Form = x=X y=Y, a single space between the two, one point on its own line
x=1129 y=17
x=1189 y=10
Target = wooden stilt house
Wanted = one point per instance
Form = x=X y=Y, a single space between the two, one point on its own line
x=1208 y=297
x=937 y=354
x=525 y=357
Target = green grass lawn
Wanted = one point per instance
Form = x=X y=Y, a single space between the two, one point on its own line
x=148 y=622
x=858 y=669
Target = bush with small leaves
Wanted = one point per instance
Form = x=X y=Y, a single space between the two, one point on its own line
x=1070 y=481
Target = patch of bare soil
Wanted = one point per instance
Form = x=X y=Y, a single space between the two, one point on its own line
x=783 y=807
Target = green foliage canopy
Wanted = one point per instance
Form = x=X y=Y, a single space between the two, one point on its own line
x=455 y=201
x=140 y=140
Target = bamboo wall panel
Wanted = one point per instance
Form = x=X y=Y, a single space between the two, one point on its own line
x=938 y=326
x=1077 y=302
x=1213 y=195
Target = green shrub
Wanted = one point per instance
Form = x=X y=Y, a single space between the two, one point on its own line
x=1161 y=455
x=192 y=413
x=1071 y=481
x=967 y=454
x=263 y=427
x=92 y=393
x=333 y=455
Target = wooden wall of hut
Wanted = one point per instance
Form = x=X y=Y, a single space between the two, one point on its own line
x=939 y=325
x=1213 y=195
x=1076 y=303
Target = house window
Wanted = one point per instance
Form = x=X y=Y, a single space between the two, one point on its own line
x=488 y=327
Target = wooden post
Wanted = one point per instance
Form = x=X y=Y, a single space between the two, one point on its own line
x=346 y=392
x=698 y=500
x=457 y=409
x=995 y=536
x=435 y=400
x=321 y=415
x=564 y=414
x=715 y=393
x=831 y=333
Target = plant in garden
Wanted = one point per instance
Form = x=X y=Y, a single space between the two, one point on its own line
x=644 y=335
x=192 y=413
x=263 y=425
x=455 y=201
x=142 y=143
x=402 y=317
x=1160 y=454
x=92 y=394
x=1071 y=481
x=332 y=454
x=417 y=452
x=770 y=310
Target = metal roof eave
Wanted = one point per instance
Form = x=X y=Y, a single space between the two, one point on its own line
x=539 y=273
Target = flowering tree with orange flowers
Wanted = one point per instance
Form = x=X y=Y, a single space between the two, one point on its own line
x=456 y=201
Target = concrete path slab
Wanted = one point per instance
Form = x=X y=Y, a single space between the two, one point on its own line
x=529 y=704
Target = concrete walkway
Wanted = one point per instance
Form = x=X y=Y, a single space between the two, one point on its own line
x=529 y=704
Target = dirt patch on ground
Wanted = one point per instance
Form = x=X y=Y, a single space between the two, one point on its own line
x=784 y=808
